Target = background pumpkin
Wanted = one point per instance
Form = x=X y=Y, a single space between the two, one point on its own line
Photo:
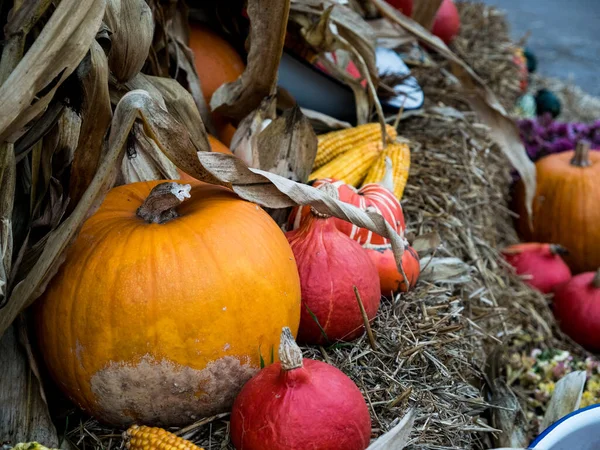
x=217 y=62
x=163 y=323
x=565 y=207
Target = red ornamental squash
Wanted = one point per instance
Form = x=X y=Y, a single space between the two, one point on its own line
x=577 y=309
x=540 y=263
x=300 y=404
x=148 y=319
x=330 y=264
x=446 y=24
x=373 y=196
x=390 y=278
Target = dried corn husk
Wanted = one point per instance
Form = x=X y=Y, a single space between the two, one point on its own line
x=132 y=26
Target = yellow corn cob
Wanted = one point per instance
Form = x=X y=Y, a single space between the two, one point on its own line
x=331 y=145
x=150 y=438
x=352 y=166
x=399 y=155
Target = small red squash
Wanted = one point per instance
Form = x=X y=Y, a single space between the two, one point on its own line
x=446 y=24
x=390 y=278
x=330 y=264
x=373 y=196
x=300 y=404
x=577 y=308
x=541 y=263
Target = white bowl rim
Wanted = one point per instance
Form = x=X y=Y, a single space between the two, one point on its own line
x=547 y=431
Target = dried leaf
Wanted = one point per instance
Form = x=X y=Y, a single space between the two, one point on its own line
x=51 y=156
x=288 y=146
x=397 y=437
x=426 y=243
x=7 y=193
x=424 y=12
x=508 y=416
x=133 y=28
x=182 y=107
x=244 y=143
x=323 y=123
x=565 y=399
x=21 y=19
x=267 y=33
x=503 y=130
x=39 y=129
x=53 y=56
x=96 y=114
x=23 y=412
x=390 y=35
x=144 y=161
x=140 y=81
x=445 y=270
x=274 y=191
x=186 y=64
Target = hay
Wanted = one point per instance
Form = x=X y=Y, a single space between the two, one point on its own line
x=432 y=343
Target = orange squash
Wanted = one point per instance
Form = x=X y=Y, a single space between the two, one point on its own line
x=565 y=207
x=162 y=311
x=217 y=62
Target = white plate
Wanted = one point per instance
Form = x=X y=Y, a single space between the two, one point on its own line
x=579 y=430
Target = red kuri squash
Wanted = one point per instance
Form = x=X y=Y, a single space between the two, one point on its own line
x=300 y=404
x=577 y=308
x=330 y=264
x=541 y=264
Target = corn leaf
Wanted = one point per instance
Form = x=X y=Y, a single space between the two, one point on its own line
x=267 y=33
x=55 y=54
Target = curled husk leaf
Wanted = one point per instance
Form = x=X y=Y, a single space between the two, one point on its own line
x=133 y=28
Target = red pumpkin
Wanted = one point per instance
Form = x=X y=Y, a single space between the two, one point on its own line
x=390 y=278
x=540 y=263
x=577 y=309
x=300 y=404
x=373 y=196
x=446 y=24
x=404 y=6
x=330 y=264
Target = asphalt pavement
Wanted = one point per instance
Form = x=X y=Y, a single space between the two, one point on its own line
x=565 y=36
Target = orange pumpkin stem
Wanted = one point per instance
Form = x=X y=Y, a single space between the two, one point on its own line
x=290 y=354
x=582 y=155
x=159 y=206
x=330 y=190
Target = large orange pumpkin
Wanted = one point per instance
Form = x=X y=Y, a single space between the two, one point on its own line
x=565 y=207
x=217 y=62
x=162 y=323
